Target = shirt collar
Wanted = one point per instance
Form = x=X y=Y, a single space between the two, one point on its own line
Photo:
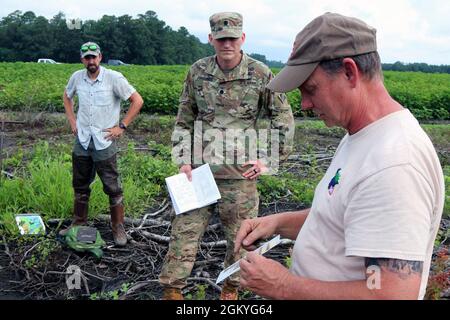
x=99 y=77
x=237 y=73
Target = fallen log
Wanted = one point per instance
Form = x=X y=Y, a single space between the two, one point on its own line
x=166 y=240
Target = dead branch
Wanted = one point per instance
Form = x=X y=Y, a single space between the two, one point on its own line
x=9 y=175
x=153 y=214
x=133 y=222
x=207 y=280
x=12 y=262
x=137 y=286
x=164 y=239
x=215 y=244
x=147 y=222
x=155 y=237
x=206 y=262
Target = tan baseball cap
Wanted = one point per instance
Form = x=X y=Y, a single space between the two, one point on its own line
x=89 y=49
x=226 y=25
x=327 y=37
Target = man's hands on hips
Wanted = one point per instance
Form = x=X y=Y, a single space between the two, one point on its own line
x=73 y=126
x=265 y=277
x=113 y=133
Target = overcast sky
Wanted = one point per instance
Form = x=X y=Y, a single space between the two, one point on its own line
x=407 y=30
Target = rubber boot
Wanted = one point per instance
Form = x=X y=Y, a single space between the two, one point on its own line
x=80 y=213
x=117 y=225
x=172 y=294
x=229 y=292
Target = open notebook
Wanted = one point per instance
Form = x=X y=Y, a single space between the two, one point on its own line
x=189 y=195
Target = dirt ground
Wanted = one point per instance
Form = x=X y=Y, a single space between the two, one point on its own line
x=131 y=272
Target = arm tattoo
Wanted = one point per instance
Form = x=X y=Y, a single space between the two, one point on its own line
x=403 y=268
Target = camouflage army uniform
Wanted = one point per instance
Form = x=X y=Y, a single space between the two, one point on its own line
x=221 y=101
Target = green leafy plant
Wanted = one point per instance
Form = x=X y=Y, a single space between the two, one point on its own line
x=39 y=87
x=288 y=261
x=37 y=255
x=199 y=294
x=111 y=295
x=45 y=185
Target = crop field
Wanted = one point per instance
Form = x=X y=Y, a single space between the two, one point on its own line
x=39 y=87
x=36 y=177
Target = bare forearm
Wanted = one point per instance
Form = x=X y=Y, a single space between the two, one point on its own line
x=309 y=289
x=135 y=108
x=387 y=279
x=68 y=107
x=290 y=223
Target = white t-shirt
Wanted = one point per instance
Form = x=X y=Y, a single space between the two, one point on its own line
x=381 y=197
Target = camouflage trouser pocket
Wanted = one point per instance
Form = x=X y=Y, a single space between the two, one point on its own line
x=187 y=231
x=240 y=201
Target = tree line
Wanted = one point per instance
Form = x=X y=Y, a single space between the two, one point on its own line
x=270 y=63
x=142 y=40
x=417 y=67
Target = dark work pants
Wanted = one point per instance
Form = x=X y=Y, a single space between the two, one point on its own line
x=85 y=168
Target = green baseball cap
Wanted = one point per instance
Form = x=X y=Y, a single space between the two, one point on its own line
x=226 y=25
x=327 y=37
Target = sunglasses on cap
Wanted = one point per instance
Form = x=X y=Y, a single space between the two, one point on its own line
x=91 y=47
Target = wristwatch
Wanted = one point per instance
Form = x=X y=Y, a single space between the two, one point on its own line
x=122 y=126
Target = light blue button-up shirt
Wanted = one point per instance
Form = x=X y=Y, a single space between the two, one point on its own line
x=98 y=104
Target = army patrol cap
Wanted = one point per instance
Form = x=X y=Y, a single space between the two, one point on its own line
x=226 y=25
x=327 y=37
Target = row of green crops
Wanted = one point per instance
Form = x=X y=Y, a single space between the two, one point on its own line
x=39 y=87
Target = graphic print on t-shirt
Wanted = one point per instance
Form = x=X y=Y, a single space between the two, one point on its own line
x=334 y=181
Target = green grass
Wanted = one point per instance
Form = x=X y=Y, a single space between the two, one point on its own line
x=200 y=293
x=439 y=134
x=44 y=185
x=290 y=187
x=43 y=176
x=318 y=127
